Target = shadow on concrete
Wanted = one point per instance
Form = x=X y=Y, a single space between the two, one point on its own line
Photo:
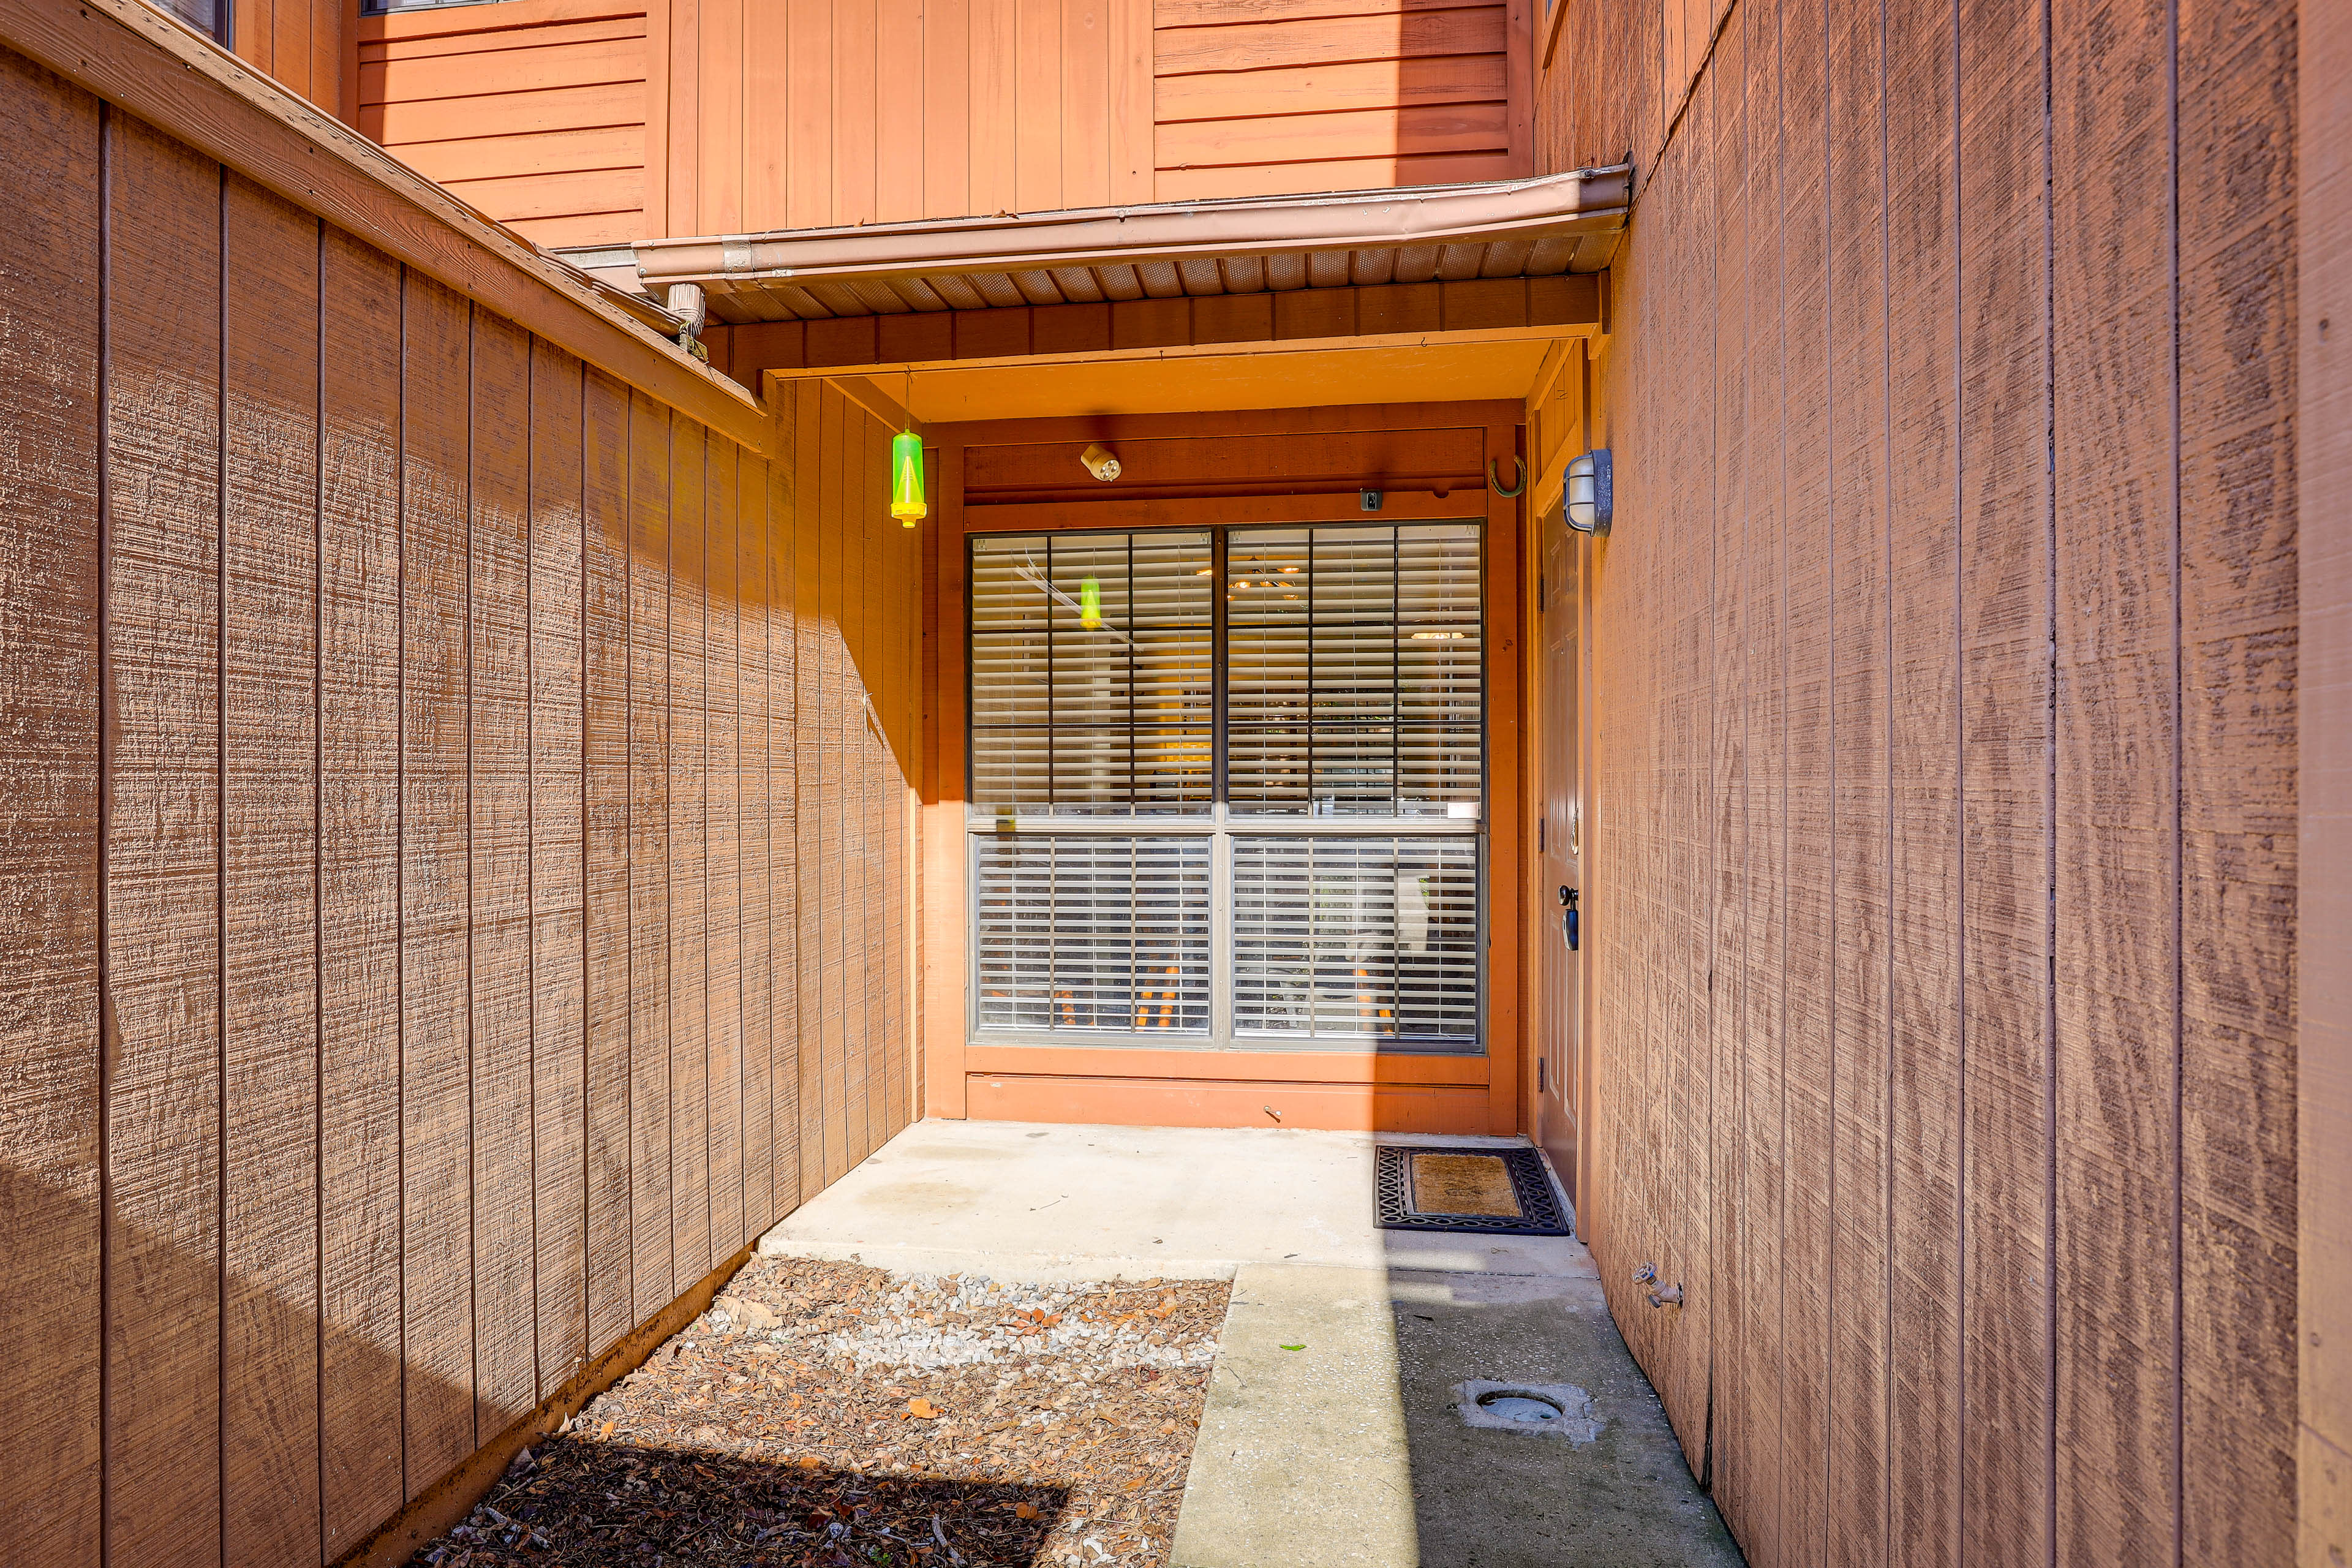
x=581 y=1502
x=1545 y=1497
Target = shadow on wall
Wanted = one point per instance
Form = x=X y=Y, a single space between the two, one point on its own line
x=309 y=1409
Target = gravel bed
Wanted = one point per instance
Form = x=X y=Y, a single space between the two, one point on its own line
x=828 y=1413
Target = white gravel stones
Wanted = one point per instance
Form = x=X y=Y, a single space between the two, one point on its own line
x=934 y=1321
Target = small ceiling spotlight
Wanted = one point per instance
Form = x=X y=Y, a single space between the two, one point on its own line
x=1101 y=461
x=1589 y=495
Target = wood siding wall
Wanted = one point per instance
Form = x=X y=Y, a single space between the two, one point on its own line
x=1262 y=96
x=302 y=44
x=1944 y=928
x=593 y=122
x=533 y=111
x=815 y=112
x=459 y=842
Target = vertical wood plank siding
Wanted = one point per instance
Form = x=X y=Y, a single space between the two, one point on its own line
x=1945 y=857
x=1261 y=97
x=402 y=996
x=533 y=111
x=594 y=121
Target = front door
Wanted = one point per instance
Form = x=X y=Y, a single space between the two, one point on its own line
x=1561 y=893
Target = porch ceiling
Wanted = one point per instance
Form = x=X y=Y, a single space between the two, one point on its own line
x=1539 y=228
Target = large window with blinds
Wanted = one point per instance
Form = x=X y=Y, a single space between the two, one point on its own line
x=1228 y=787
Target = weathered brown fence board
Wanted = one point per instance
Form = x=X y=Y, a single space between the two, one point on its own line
x=689 y=785
x=606 y=655
x=784 y=1051
x=558 y=870
x=49 y=946
x=359 y=894
x=269 y=707
x=723 y=879
x=162 y=849
x=2240 y=764
x=649 y=883
x=436 y=1159
x=497 y=761
x=2005 y=741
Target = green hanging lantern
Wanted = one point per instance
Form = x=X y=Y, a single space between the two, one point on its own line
x=1090 y=605
x=906 y=478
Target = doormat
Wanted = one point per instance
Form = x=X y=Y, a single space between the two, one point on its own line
x=1486 y=1192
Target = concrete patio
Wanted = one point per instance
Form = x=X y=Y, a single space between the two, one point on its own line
x=1349 y=1450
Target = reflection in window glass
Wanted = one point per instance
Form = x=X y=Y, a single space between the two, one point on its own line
x=1090 y=673
x=1355 y=683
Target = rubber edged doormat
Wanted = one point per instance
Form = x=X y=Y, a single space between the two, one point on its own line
x=1483 y=1192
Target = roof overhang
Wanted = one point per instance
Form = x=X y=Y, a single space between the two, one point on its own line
x=1544 y=226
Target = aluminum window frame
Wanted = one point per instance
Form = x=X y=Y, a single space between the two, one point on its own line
x=1222 y=826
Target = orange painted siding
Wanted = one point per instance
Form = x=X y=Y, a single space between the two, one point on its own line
x=805 y=113
x=592 y=121
x=304 y=45
x=1264 y=97
x=533 y=111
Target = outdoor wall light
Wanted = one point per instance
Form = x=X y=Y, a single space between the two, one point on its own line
x=1101 y=461
x=1589 y=494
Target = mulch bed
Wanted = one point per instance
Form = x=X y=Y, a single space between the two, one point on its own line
x=829 y=1413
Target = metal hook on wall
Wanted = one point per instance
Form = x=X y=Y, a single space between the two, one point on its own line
x=1495 y=478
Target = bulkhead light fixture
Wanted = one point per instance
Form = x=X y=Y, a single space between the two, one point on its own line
x=1589 y=495
x=1101 y=461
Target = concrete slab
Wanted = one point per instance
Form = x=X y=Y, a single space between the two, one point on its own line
x=1348 y=1451
x=1302 y=1456
x=1074 y=1202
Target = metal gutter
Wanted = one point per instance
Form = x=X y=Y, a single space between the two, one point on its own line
x=1581 y=201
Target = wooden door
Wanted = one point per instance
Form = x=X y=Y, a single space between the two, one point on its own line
x=1560 y=1099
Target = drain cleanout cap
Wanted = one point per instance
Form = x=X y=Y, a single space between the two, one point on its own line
x=1535 y=1409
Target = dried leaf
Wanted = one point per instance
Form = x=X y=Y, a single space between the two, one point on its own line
x=606 y=1430
x=922 y=1409
x=1025 y=1511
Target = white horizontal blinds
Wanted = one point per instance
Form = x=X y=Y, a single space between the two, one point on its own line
x=1349 y=910
x=1353 y=686
x=1091 y=674
x=1100 y=932
x=1441 y=672
x=1356 y=938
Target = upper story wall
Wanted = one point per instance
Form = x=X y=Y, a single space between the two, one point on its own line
x=584 y=121
x=533 y=111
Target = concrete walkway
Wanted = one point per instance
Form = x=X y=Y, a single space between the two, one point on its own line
x=1347 y=1450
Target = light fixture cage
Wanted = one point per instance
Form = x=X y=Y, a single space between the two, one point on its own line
x=1588 y=496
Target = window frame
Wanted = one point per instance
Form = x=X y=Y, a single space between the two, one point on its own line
x=1222 y=827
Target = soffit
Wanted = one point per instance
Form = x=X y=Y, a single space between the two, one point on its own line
x=1536 y=228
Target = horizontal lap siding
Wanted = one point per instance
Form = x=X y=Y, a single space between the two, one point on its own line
x=1947 y=645
x=324 y=1079
x=1261 y=97
x=539 y=120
